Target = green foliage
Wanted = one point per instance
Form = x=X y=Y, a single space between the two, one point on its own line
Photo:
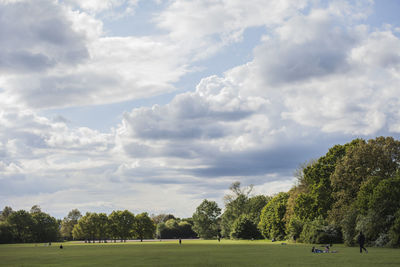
x=294 y=227
x=121 y=224
x=22 y=223
x=316 y=178
x=305 y=207
x=144 y=227
x=235 y=206
x=5 y=213
x=272 y=224
x=205 y=219
x=348 y=225
x=377 y=159
x=174 y=228
x=6 y=233
x=45 y=228
x=318 y=231
x=68 y=223
x=394 y=231
x=254 y=207
x=245 y=228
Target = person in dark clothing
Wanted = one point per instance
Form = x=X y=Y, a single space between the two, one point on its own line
x=361 y=241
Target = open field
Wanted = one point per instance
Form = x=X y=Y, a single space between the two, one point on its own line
x=191 y=253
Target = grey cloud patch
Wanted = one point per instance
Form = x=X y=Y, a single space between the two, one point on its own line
x=36 y=36
x=21 y=185
x=62 y=90
x=306 y=47
x=254 y=163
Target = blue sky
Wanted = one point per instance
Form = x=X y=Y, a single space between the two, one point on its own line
x=154 y=105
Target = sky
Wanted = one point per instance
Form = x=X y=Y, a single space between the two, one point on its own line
x=155 y=105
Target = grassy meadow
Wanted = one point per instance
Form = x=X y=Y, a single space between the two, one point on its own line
x=191 y=253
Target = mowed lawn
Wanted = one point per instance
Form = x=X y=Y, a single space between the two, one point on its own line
x=192 y=253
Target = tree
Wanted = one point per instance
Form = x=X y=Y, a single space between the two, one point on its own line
x=161 y=218
x=121 y=224
x=185 y=230
x=35 y=209
x=377 y=159
x=22 y=223
x=175 y=228
x=5 y=213
x=86 y=228
x=144 y=226
x=205 y=219
x=6 y=233
x=45 y=228
x=245 y=228
x=235 y=205
x=272 y=224
x=68 y=223
x=254 y=207
x=102 y=226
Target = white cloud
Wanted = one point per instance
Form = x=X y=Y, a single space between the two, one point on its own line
x=105 y=6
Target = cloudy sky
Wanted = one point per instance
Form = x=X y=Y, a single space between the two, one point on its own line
x=154 y=105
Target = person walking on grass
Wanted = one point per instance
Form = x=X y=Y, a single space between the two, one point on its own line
x=361 y=241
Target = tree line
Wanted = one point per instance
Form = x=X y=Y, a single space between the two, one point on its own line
x=354 y=187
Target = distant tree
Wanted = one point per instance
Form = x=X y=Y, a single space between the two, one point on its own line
x=35 y=209
x=206 y=219
x=45 y=228
x=68 y=223
x=186 y=230
x=144 y=226
x=121 y=224
x=22 y=224
x=6 y=233
x=235 y=206
x=161 y=218
x=102 y=227
x=86 y=228
x=5 y=213
x=175 y=228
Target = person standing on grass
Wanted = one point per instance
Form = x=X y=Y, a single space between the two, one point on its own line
x=361 y=241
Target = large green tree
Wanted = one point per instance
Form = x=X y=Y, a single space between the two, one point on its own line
x=22 y=224
x=144 y=226
x=376 y=159
x=121 y=224
x=205 y=219
x=45 y=227
x=272 y=223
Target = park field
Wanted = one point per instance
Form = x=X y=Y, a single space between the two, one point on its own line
x=191 y=253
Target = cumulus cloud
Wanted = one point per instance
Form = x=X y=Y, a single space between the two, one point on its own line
x=207 y=26
x=55 y=57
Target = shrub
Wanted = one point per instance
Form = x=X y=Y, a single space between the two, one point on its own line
x=319 y=231
x=244 y=228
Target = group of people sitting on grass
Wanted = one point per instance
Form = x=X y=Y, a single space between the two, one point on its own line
x=326 y=250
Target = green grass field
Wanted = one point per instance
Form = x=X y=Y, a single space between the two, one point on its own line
x=191 y=253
